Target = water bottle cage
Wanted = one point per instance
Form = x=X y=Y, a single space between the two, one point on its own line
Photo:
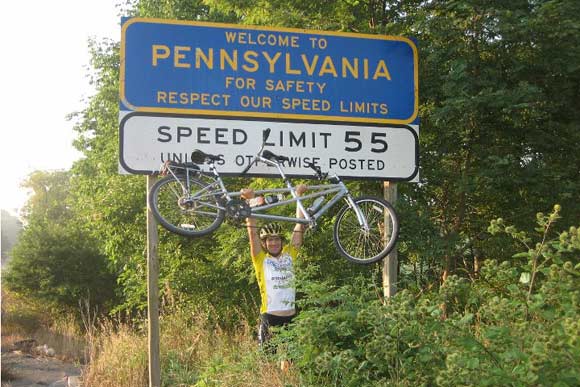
x=315 y=206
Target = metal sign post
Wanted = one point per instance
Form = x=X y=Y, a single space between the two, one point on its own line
x=153 y=292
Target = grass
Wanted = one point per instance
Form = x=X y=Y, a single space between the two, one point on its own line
x=117 y=357
x=193 y=353
x=24 y=319
x=6 y=374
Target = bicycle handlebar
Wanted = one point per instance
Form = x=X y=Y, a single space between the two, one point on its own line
x=265 y=135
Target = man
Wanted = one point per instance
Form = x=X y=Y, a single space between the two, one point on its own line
x=274 y=266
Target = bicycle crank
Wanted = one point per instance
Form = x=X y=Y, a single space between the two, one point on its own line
x=238 y=209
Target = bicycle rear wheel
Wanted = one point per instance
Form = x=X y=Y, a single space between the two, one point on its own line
x=366 y=246
x=181 y=211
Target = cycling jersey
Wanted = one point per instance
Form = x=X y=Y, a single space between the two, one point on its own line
x=276 y=279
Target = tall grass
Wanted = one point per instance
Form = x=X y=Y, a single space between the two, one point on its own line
x=26 y=319
x=117 y=357
x=193 y=352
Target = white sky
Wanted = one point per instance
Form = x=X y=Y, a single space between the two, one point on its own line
x=43 y=77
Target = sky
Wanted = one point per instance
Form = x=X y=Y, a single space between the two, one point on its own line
x=44 y=77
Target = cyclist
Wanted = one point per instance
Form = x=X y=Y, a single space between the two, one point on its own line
x=273 y=263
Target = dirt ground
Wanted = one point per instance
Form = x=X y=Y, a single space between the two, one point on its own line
x=29 y=370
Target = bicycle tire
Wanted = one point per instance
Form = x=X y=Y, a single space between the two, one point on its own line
x=180 y=215
x=362 y=247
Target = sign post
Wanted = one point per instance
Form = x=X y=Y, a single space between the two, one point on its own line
x=153 y=292
x=390 y=263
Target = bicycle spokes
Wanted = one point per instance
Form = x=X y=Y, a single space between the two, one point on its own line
x=186 y=213
x=371 y=240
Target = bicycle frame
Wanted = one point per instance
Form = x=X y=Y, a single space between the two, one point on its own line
x=192 y=202
x=217 y=188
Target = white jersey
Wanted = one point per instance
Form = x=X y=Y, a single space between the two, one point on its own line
x=276 y=280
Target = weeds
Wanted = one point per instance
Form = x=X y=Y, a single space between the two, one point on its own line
x=6 y=374
x=23 y=319
x=194 y=352
x=117 y=356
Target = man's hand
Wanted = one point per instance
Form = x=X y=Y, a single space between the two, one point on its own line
x=301 y=188
x=247 y=193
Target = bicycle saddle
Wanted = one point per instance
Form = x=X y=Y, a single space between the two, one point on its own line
x=200 y=157
x=271 y=156
x=177 y=164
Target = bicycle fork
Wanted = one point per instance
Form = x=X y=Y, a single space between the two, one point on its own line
x=362 y=220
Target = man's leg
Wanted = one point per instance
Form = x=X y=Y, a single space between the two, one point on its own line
x=264 y=333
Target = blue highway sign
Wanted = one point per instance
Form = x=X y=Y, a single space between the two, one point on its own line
x=222 y=70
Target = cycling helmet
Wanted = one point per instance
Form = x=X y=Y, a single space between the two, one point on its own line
x=272 y=229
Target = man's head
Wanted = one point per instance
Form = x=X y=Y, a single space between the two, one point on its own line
x=272 y=238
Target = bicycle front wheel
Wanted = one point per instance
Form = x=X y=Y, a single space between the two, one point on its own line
x=189 y=211
x=364 y=245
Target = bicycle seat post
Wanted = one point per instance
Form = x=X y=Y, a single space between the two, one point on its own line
x=294 y=194
x=218 y=178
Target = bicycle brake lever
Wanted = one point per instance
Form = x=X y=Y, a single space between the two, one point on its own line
x=317 y=170
x=247 y=168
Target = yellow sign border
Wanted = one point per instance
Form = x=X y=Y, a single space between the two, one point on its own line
x=240 y=114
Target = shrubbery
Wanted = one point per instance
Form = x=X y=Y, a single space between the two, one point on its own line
x=517 y=323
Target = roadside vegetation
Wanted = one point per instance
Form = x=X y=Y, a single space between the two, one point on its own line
x=489 y=250
x=24 y=318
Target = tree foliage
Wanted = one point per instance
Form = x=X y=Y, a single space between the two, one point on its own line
x=515 y=324
x=55 y=260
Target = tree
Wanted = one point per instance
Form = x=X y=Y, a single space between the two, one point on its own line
x=11 y=227
x=55 y=259
x=494 y=129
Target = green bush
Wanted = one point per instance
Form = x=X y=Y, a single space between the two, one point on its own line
x=517 y=323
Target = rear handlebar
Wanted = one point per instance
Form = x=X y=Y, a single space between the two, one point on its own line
x=266 y=154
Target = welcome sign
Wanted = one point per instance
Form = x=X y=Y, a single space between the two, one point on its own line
x=209 y=69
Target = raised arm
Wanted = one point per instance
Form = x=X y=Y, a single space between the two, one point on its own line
x=298 y=233
x=255 y=245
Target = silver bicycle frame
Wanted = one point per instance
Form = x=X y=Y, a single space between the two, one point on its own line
x=217 y=188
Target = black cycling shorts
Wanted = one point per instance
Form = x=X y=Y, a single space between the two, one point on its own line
x=267 y=321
